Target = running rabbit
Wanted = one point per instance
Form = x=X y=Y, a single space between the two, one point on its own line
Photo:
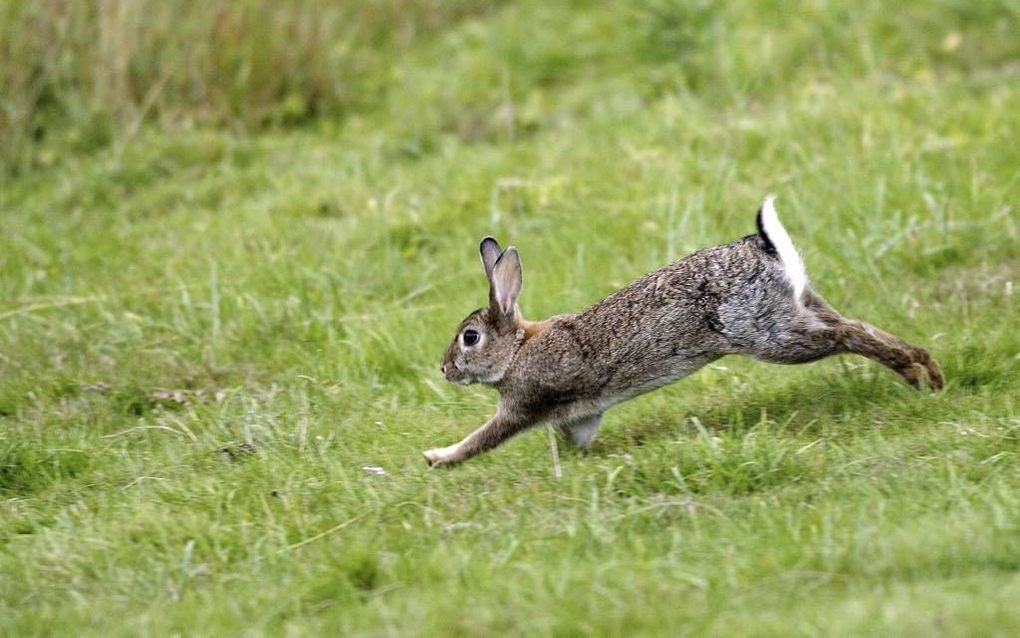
x=750 y=297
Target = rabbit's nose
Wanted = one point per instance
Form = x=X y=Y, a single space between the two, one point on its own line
x=442 y=368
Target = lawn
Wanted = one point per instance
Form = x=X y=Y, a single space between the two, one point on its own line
x=220 y=344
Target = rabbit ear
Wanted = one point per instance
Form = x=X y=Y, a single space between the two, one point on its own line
x=490 y=252
x=506 y=281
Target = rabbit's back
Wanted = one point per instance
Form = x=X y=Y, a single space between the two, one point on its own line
x=659 y=328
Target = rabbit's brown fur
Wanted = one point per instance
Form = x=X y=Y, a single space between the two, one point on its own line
x=741 y=298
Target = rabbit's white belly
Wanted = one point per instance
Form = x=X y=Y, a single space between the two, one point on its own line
x=678 y=368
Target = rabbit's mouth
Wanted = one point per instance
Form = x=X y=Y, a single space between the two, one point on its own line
x=468 y=374
x=454 y=374
x=460 y=378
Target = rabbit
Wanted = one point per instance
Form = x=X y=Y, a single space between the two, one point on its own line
x=749 y=297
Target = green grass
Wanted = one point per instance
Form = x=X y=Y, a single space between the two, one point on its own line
x=296 y=287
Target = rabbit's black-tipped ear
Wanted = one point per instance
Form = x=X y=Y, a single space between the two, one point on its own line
x=490 y=251
x=507 y=279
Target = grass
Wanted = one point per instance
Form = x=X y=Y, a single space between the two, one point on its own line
x=87 y=74
x=207 y=335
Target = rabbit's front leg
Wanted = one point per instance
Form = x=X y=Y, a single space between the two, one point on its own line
x=582 y=431
x=498 y=429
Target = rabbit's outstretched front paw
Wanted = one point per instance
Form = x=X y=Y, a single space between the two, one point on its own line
x=441 y=456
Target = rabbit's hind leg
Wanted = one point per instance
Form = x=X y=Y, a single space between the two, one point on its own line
x=820 y=331
x=911 y=362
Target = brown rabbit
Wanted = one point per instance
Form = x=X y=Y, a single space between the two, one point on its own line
x=750 y=297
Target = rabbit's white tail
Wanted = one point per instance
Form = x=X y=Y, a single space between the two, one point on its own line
x=772 y=231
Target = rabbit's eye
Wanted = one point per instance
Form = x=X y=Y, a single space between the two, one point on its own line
x=470 y=337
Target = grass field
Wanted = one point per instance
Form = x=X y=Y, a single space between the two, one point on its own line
x=211 y=335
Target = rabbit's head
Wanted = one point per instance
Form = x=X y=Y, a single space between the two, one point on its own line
x=486 y=341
